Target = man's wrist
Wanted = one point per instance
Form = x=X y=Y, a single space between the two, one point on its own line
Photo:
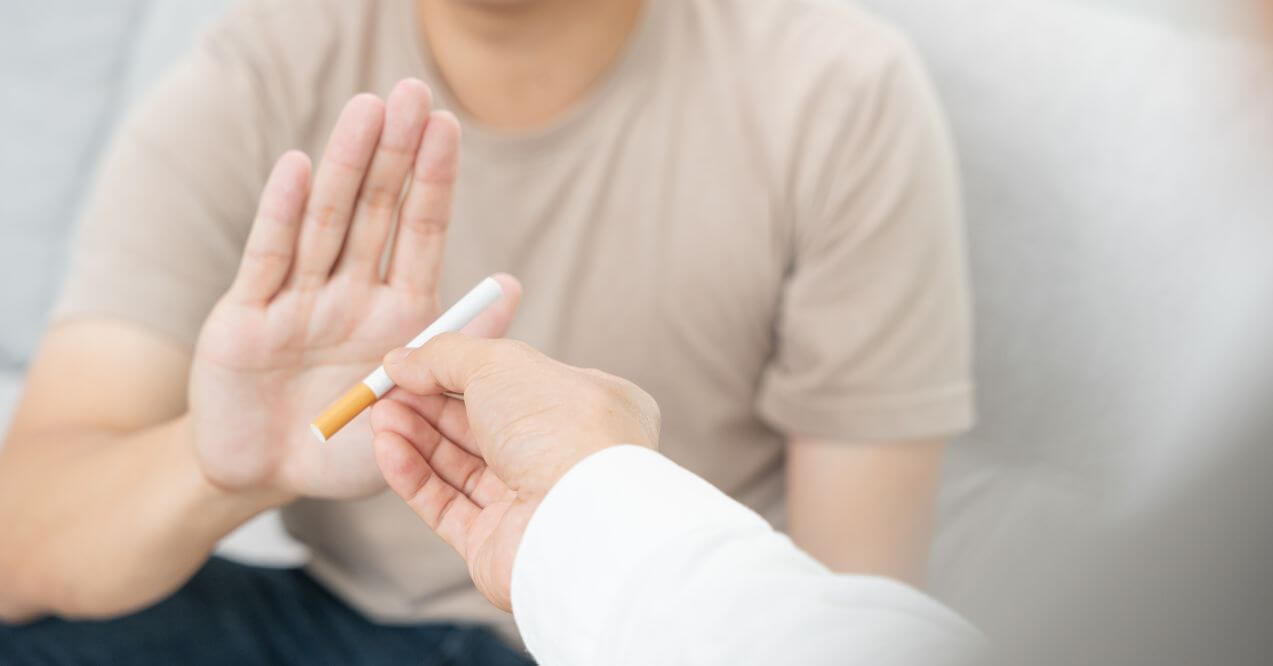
x=233 y=504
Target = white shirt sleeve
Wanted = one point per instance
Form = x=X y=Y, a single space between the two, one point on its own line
x=631 y=559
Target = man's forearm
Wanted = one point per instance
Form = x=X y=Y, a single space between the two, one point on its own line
x=99 y=523
x=864 y=507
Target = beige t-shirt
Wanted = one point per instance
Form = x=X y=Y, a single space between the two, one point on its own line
x=754 y=216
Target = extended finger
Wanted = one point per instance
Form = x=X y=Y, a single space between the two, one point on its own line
x=271 y=244
x=451 y=362
x=443 y=508
x=446 y=414
x=458 y=467
x=336 y=185
x=426 y=211
x=406 y=111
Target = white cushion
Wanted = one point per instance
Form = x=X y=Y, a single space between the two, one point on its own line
x=1117 y=163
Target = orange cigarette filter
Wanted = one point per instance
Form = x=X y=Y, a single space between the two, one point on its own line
x=375 y=385
x=341 y=412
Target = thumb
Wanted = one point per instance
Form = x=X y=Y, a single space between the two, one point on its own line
x=449 y=362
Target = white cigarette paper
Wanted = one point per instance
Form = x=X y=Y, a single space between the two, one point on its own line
x=376 y=384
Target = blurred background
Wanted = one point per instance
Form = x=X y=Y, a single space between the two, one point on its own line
x=1117 y=156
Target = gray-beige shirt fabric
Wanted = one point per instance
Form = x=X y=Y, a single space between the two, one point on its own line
x=753 y=214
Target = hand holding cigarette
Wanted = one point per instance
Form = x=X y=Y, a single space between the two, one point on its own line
x=475 y=469
x=310 y=310
x=375 y=385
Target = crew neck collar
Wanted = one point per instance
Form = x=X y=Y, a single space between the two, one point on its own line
x=480 y=136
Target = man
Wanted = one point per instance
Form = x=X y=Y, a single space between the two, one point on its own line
x=747 y=207
x=545 y=495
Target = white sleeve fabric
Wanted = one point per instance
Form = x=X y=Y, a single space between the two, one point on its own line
x=631 y=559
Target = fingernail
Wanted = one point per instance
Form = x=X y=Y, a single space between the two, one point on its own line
x=397 y=356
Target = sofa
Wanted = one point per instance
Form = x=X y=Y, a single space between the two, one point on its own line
x=1117 y=159
x=72 y=69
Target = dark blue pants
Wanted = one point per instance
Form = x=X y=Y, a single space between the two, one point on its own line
x=231 y=613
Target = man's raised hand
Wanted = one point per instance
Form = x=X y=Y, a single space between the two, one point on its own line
x=476 y=469
x=310 y=310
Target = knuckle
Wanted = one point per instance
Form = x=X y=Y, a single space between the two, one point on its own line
x=425 y=224
x=435 y=174
x=267 y=256
x=471 y=479
x=621 y=387
x=507 y=351
x=398 y=151
x=599 y=396
x=274 y=209
x=380 y=199
x=433 y=346
x=325 y=216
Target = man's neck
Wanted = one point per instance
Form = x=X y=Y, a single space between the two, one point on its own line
x=518 y=64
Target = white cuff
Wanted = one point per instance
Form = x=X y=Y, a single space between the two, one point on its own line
x=595 y=527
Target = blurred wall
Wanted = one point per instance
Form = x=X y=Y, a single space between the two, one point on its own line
x=68 y=70
x=1213 y=15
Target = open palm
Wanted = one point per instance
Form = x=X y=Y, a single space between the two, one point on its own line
x=311 y=310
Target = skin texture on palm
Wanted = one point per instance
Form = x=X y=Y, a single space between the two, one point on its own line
x=475 y=469
x=309 y=312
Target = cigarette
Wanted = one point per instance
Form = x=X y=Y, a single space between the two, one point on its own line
x=376 y=384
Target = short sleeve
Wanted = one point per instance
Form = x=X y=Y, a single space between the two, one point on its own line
x=160 y=235
x=873 y=330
